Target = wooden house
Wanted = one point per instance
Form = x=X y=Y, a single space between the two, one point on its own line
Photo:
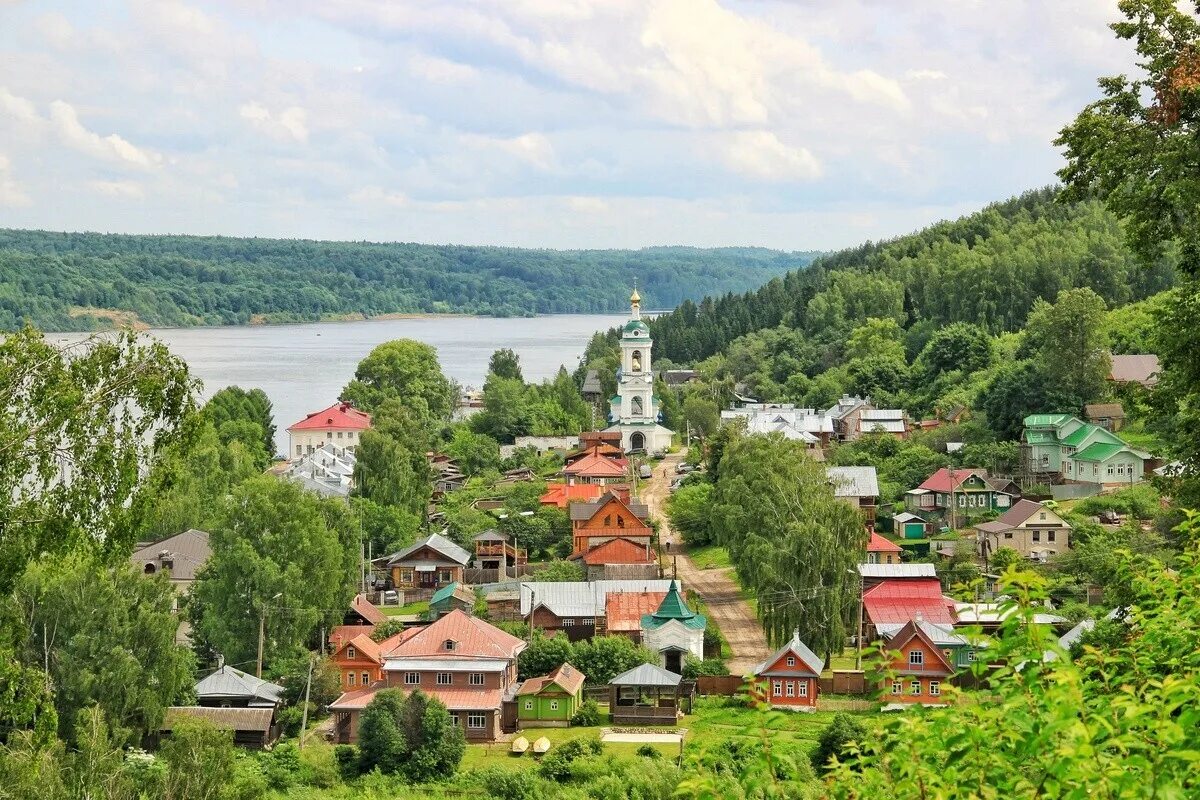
x=918 y=667
x=551 y=700
x=429 y=563
x=450 y=597
x=793 y=676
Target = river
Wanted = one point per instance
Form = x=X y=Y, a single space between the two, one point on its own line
x=303 y=368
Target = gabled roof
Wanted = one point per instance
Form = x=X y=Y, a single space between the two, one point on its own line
x=811 y=662
x=853 y=481
x=901 y=571
x=591 y=382
x=594 y=466
x=338 y=415
x=563 y=494
x=1102 y=451
x=673 y=609
x=878 y=544
x=646 y=675
x=615 y=551
x=367 y=610
x=623 y=611
x=1104 y=410
x=188 y=552
x=1081 y=434
x=566 y=677
x=490 y=535
x=905 y=516
x=940 y=481
x=914 y=630
x=226 y=719
x=454 y=589
x=363 y=645
x=580 y=598
x=228 y=682
x=1021 y=511
x=1140 y=368
x=901 y=600
x=582 y=512
x=340 y=634
x=1045 y=420
x=941 y=635
x=434 y=541
x=473 y=638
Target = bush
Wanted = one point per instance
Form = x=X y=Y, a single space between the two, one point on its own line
x=1141 y=501
x=587 y=715
x=504 y=784
x=556 y=765
x=649 y=751
x=694 y=667
x=838 y=734
x=346 y=758
x=386 y=629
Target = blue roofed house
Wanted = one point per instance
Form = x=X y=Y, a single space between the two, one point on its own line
x=1080 y=451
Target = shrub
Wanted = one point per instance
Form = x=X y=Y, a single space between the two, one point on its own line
x=839 y=733
x=386 y=629
x=649 y=751
x=694 y=667
x=587 y=715
x=282 y=767
x=346 y=758
x=556 y=765
x=504 y=784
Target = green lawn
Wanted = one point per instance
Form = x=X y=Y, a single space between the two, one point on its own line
x=843 y=661
x=708 y=556
x=412 y=609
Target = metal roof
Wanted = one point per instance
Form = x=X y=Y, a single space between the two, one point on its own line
x=188 y=551
x=853 y=481
x=230 y=719
x=1140 y=367
x=445 y=665
x=807 y=657
x=437 y=542
x=1102 y=451
x=940 y=634
x=646 y=675
x=230 y=682
x=581 y=598
x=897 y=571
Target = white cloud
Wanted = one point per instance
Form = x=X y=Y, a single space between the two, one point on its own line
x=11 y=193
x=112 y=147
x=439 y=70
x=533 y=148
x=19 y=108
x=925 y=75
x=760 y=155
x=289 y=124
x=375 y=195
x=126 y=190
x=589 y=205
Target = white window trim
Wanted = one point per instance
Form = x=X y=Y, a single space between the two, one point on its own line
x=915 y=687
x=554 y=705
x=412 y=678
x=529 y=705
x=791 y=661
x=916 y=658
x=445 y=678
x=790 y=689
x=477 y=679
x=897 y=687
x=803 y=688
x=472 y=719
x=777 y=688
x=935 y=688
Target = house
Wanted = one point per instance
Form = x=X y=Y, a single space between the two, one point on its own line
x=845 y=416
x=430 y=563
x=919 y=669
x=363 y=612
x=608 y=517
x=551 y=700
x=1033 y=530
x=561 y=495
x=882 y=551
x=1140 y=368
x=252 y=727
x=360 y=660
x=464 y=662
x=859 y=486
x=623 y=612
x=988 y=617
x=180 y=556
x=450 y=597
x=806 y=425
x=648 y=695
x=674 y=631
x=341 y=424
x=629 y=557
x=493 y=551
x=469 y=403
x=973 y=491
x=892 y=421
x=793 y=675
x=593 y=467
x=958 y=650
x=340 y=634
x=227 y=687
x=873 y=574
x=909 y=526
x=328 y=470
x=574 y=608
x=1065 y=446
x=896 y=601
x=1110 y=416
x=678 y=377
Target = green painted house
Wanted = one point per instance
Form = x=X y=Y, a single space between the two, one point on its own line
x=449 y=597
x=1080 y=451
x=551 y=700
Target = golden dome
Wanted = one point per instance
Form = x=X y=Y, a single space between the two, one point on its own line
x=635 y=297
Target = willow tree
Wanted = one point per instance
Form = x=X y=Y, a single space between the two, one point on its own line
x=793 y=543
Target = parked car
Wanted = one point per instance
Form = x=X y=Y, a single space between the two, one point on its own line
x=675 y=484
x=645 y=471
x=1110 y=517
x=684 y=469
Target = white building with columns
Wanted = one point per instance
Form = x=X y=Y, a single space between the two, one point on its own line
x=634 y=411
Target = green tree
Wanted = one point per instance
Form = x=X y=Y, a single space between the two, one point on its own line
x=842 y=731
x=200 y=759
x=557 y=571
x=107 y=637
x=604 y=657
x=1003 y=558
x=544 y=654
x=234 y=404
x=386 y=629
x=506 y=410
x=959 y=346
x=381 y=745
x=702 y=415
x=1069 y=342
x=473 y=452
x=403 y=370
x=435 y=744
x=876 y=338
x=688 y=509
x=505 y=363
x=1017 y=390
x=278 y=552
x=391 y=467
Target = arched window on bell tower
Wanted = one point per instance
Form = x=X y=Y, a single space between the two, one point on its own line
x=636 y=361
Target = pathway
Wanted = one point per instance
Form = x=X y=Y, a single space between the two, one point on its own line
x=716 y=587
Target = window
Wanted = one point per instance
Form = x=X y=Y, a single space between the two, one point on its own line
x=444 y=679
x=300 y=452
x=620 y=521
x=962 y=501
x=554 y=705
x=897 y=687
x=1042 y=515
x=529 y=705
x=970 y=655
x=1110 y=469
x=449 y=644
x=872 y=558
x=777 y=688
x=406 y=576
x=477 y=679
x=1008 y=534
x=329 y=434
x=444 y=576
x=915 y=687
x=608 y=520
x=791 y=661
x=916 y=658
x=568 y=622
x=339 y=434
x=935 y=688
x=1037 y=536
x=476 y=721
x=949 y=656
x=803 y=686
x=588 y=621
x=1049 y=536
x=350 y=679
x=366 y=679
x=350 y=652
x=791 y=688
x=412 y=678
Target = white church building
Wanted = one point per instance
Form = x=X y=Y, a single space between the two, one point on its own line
x=634 y=409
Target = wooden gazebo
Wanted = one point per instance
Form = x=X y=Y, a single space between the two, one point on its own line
x=648 y=695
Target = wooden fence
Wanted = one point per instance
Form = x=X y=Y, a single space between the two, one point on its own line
x=844 y=681
x=725 y=685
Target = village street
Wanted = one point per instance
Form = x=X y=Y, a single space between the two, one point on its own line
x=720 y=593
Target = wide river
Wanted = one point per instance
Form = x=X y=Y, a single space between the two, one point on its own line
x=303 y=368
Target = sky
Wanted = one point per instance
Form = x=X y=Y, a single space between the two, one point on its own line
x=791 y=124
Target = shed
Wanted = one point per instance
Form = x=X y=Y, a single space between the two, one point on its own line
x=648 y=695
x=252 y=727
x=909 y=526
x=452 y=596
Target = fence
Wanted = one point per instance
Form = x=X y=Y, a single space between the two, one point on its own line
x=844 y=681
x=477 y=577
x=1074 y=491
x=726 y=685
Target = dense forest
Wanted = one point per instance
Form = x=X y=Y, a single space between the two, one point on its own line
x=986 y=269
x=55 y=280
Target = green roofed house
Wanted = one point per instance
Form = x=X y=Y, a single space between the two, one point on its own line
x=449 y=597
x=1080 y=451
x=674 y=631
x=551 y=700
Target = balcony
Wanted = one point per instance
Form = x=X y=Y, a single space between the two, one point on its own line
x=510 y=553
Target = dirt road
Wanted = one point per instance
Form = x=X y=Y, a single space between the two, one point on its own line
x=731 y=614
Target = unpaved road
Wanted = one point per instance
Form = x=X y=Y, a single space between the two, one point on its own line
x=731 y=614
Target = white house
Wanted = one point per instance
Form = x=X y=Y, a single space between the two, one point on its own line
x=674 y=631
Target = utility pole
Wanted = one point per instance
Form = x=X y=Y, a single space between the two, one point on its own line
x=532 y=602
x=858 y=635
x=307 y=688
x=262 y=630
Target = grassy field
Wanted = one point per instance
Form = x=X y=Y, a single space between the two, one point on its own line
x=412 y=609
x=708 y=556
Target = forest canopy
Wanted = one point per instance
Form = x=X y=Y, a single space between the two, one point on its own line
x=84 y=281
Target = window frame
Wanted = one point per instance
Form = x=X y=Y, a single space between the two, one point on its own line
x=777 y=688
x=897 y=687
x=409 y=676
x=914 y=688
x=444 y=679
x=472 y=717
x=935 y=688
x=916 y=658
x=476 y=679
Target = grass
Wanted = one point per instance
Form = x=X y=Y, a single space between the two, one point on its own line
x=845 y=660
x=709 y=556
x=411 y=609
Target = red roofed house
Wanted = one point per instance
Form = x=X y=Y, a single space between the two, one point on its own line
x=919 y=668
x=898 y=601
x=794 y=675
x=464 y=662
x=340 y=634
x=623 y=612
x=606 y=518
x=596 y=468
x=360 y=659
x=974 y=492
x=363 y=612
x=883 y=551
x=563 y=494
x=341 y=424
x=614 y=551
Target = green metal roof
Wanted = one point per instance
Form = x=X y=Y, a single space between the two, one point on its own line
x=1045 y=420
x=1100 y=452
x=673 y=607
x=1040 y=437
x=636 y=325
x=443 y=593
x=1079 y=434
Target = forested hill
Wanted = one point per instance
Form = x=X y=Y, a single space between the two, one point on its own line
x=57 y=280
x=986 y=269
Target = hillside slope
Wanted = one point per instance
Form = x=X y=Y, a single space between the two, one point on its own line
x=73 y=281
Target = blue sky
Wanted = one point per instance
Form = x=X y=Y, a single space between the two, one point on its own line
x=792 y=124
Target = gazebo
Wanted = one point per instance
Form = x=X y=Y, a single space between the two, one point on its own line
x=647 y=695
